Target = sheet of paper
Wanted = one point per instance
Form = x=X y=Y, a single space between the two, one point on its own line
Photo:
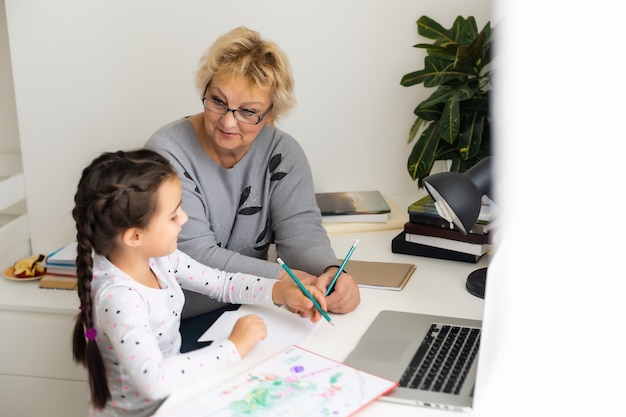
x=283 y=327
x=293 y=383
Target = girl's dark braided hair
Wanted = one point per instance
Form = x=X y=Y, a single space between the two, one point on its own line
x=117 y=191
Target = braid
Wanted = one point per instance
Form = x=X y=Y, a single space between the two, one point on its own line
x=116 y=191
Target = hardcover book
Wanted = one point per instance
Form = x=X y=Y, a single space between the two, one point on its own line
x=399 y=244
x=423 y=211
x=353 y=206
x=64 y=256
x=455 y=245
x=444 y=232
x=58 y=282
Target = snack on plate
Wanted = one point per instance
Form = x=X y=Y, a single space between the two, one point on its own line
x=30 y=267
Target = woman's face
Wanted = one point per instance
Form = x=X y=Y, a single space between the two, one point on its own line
x=226 y=135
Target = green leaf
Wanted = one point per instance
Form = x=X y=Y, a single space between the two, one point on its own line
x=446 y=152
x=430 y=29
x=417 y=124
x=444 y=93
x=429 y=113
x=422 y=155
x=436 y=71
x=472 y=53
x=471 y=136
x=447 y=52
x=451 y=119
x=456 y=166
x=440 y=95
x=462 y=31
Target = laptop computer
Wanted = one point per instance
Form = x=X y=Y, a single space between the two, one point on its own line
x=434 y=358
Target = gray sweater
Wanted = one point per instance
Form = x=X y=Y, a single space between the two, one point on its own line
x=235 y=214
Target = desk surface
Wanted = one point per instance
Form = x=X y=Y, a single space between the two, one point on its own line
x=436 y=287
x=26 y=296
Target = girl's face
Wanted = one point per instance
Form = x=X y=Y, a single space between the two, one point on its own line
x=225 y=134
x=161 y=235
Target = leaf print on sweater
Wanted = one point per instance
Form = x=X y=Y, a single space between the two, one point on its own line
x=247 y=211
x=274 y=162
x=197 y=190
x=263 y=232
x=261 y=237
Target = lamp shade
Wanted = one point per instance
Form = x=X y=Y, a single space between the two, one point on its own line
x=458 y=196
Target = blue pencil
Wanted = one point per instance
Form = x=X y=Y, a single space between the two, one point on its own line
x=304 y=290
x=340 y=270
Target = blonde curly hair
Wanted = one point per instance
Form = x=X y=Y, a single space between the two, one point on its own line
x=243 y=53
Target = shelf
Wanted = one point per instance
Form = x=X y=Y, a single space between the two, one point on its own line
x=14 y=224
x=12 y=189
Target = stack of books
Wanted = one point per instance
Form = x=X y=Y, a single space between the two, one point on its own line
x=428 y=234
x=62 y=262
x=61 y=269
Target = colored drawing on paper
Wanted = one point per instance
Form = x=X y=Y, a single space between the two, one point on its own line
x=293 y=383
x=270 y=390
x=302 y=387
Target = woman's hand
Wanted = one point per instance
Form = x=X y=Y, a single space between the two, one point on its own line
x=345 y=296
x=247 y=332
x=290 y=294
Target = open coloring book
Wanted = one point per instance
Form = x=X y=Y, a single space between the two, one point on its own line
x=295 y=382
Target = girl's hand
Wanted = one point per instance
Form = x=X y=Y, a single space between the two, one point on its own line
x=247 y=332
x=290 y=294
x=304 y=277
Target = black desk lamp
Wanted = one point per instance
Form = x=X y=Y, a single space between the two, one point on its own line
x=458 y=199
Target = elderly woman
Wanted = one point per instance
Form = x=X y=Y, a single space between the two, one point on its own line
x=246 y=184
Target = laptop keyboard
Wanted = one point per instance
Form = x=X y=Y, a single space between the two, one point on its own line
x=443 y=360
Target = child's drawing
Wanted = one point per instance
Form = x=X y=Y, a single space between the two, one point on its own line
x=294 y=383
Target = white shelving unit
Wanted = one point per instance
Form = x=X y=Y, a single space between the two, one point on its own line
x=37 y=374
x=36 y=323
x=14 y=227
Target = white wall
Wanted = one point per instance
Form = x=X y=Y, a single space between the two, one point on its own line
x=9 y=138
x=101 y=75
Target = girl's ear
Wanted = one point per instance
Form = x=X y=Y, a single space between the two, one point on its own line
x=132 y=237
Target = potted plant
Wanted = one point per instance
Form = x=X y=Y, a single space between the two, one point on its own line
x=454 y=121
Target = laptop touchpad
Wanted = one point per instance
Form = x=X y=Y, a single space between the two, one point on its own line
x=383 y=350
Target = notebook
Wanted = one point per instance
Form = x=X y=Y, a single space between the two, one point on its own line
x=421 y=352
x=380 y=275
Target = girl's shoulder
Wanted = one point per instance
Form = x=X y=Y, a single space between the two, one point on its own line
x=173 y=261
x=109 y=279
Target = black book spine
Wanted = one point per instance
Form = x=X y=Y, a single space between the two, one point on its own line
x=429 y=220
x=400 y=245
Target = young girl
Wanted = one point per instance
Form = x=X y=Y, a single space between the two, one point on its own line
x=128 y=215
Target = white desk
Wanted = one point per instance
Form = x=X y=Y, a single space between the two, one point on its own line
x=436 y=287
x=36 y=362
